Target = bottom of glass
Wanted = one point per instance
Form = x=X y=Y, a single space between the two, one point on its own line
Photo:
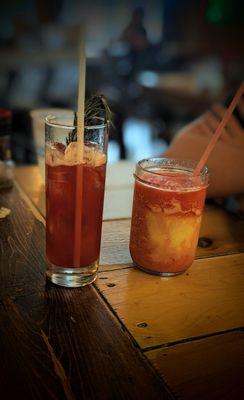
x=164 y=274
x=72 y=277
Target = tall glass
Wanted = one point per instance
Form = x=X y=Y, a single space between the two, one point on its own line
x=74 y=200
x=38 y=123
x=166 y=216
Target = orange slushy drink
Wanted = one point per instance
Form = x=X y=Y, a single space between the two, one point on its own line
x=166 y=216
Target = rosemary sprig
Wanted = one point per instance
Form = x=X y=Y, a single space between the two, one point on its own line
x=95 y=107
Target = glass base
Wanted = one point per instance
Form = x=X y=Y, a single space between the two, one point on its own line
x=164 y=274
x=72 y=277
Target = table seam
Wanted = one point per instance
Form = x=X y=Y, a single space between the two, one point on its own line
x=192 y=339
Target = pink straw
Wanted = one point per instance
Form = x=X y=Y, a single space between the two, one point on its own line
x=219 y=130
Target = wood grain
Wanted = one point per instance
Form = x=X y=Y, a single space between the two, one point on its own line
x=22 y=247
x=115 y=243
x=222 y=232
x=97 y=357
x=30 y=180
x=209 y=369
x=118 y=194
x=58 y=343
x=207 y=299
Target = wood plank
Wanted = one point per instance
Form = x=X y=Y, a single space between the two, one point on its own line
x=207 y=369
x=118 y=193
x=96 y=356
x=206 y=299
x=223 y=230
x=58 y=343
x=115 y=243
x=21 y=246
x=30 y=180
x=222 y=233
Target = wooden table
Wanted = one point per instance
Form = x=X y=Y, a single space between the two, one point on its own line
x=130 y=335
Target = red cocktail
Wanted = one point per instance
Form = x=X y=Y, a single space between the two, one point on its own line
x=60 y=222
x=166 y=217
x=74 y=207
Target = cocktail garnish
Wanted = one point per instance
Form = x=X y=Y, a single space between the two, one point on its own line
x=96 y=107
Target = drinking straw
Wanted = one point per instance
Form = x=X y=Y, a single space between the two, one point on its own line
x=219 y=130
x=80 y=151
x=81 y=98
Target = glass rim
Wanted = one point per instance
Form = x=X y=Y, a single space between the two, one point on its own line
x=49 y=117
x=203 y=173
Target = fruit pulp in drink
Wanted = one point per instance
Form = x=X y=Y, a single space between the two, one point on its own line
x=165 y=223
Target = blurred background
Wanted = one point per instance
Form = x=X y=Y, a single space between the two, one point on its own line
x=160 y=63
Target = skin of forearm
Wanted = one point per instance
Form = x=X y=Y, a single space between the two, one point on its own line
x=225 y=164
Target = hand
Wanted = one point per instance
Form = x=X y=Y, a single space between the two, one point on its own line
x=226 y=162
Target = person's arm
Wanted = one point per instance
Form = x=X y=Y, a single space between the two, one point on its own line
x=226 y=163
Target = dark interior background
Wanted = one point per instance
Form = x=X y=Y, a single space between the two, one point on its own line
x=160 y=64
